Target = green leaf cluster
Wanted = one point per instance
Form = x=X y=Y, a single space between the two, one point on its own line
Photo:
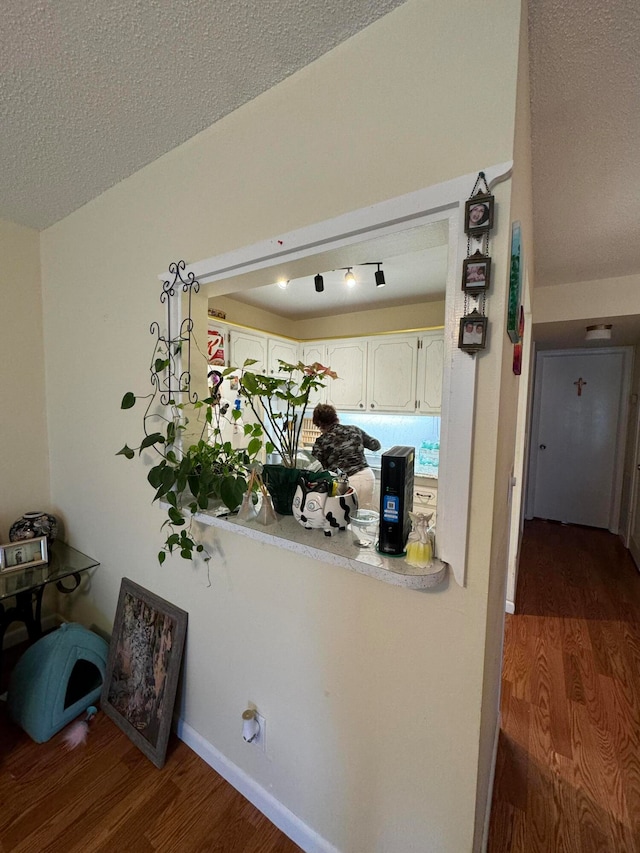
x=279 y=402
x=189 y=477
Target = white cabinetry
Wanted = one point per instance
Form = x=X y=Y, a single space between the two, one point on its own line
x=391 y=370
x=349 y=360
x=380 y=373
x=279 y=349
x=310 y=354
x=425 y=498
x=244 y=345
x=430 y=367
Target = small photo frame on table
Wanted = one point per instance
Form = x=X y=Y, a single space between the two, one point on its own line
x=24 y=554
x=143 y=666
x=473 y=332
x=478 y=214
x=476 y=273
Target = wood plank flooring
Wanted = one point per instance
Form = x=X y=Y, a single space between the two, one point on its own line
x=106 y=796
x=568 y=767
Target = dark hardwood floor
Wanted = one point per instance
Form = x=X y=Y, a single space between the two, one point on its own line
x=568 y=767
x=106 y=796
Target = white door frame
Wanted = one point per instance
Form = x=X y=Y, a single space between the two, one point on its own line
x=635 y=488
x=441 y=201
x=627 y=358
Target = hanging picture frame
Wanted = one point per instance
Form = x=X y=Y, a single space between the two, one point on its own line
x=473 y=332
x=515 y=284
x=478 y=213
x=476 y=273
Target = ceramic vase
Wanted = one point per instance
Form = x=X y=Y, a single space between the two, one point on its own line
x=33 y=524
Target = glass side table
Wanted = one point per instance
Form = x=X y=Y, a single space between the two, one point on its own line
x=64 y=568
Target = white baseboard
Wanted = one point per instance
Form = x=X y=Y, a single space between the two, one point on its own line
x=265 y=802
x=509 y=606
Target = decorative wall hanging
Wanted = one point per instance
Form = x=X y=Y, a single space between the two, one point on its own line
x=517 y=348
x=476 y=273
x=515 y=284
x=476 y=268
x=478 y=212
x=473 y=332
x=166 y=374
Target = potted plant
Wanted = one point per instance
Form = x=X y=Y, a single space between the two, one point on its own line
x=195 y=467
x=278 y=404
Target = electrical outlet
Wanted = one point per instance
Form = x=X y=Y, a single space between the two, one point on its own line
x=260 y=740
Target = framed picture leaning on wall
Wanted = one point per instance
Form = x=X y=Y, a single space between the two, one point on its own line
x=143 y=667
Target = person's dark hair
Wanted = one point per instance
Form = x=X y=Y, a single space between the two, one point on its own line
x=324 y=415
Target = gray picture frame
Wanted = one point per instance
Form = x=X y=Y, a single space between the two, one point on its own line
x=23 y=554
x=143 y=668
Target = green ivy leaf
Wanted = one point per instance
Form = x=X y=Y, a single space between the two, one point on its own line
x=128 y=401
x=150 y=440
x=175 y=516
x=154 y=477
x=162 y=556
x=126 y=451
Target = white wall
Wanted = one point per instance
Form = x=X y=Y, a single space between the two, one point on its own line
x=23 y=423
x=504 y=420
x=372 y=693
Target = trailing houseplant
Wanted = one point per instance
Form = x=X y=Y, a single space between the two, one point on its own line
x=195 y=468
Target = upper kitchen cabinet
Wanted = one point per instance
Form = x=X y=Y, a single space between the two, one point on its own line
x=430 y=369
x=244 y=345
x=311 y=353
x=349 y=360
x=391 y=372
x=280 y=349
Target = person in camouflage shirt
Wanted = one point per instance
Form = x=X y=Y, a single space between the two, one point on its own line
x=341 y=446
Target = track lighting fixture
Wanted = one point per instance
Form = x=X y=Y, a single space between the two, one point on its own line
x=380 y=282
x=350 y=277
x=283 y=283
x=319 y=283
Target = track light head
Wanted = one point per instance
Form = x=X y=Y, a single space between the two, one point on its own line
x=380 y=282
x=319 y=283
x=350 y=277
x=283 y=283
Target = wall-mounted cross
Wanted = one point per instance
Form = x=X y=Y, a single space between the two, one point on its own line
x=580 y=383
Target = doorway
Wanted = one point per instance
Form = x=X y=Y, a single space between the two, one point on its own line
x=578 y=436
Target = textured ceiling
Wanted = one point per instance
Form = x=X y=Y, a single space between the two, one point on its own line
x=585 y=101
x=92 y=90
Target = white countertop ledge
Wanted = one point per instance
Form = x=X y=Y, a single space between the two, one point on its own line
x=339 y=550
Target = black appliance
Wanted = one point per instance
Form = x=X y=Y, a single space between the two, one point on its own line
x=396 y=498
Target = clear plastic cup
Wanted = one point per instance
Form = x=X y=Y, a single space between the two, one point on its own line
x=364 y=526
